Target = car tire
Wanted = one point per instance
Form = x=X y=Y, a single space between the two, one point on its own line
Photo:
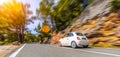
x=85 y=46
x=59 y=44
x=73 y=45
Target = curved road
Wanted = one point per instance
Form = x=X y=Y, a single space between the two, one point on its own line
x=42 y=50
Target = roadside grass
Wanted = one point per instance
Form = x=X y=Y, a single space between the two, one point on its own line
x=3 y=43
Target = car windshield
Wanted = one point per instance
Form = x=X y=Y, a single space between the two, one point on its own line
x=79 y=34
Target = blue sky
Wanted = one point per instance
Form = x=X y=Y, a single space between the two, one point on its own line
x=33 y=5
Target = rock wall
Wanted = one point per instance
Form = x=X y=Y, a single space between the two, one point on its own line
x=96 y=10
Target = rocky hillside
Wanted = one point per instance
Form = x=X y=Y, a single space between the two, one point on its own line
x=99 y=24
x=97 y=9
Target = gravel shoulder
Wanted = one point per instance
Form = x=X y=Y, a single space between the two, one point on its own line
x=5 y=49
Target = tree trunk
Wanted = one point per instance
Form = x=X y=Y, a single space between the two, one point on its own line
x=17 y=33
x=20 y=33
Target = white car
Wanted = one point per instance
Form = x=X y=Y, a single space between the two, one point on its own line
x=74 y=39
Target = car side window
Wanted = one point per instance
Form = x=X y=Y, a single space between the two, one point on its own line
x=70 y=34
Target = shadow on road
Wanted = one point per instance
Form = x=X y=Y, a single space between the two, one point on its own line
x=79 y=47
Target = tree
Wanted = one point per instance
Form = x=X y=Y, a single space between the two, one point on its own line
x=13 y=17
x=115 y=5
x=42 y=33
x=65 y=12
x=61 y=14
x=29 y=37
x=45 y=9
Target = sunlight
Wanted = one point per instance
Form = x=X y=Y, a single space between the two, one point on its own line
x=3 y=1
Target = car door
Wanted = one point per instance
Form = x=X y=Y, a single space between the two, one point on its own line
x=64 y=41
x=69 y=38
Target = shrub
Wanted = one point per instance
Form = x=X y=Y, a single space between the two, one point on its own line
x=6 y=41
x=115 y=5
x=1 y=43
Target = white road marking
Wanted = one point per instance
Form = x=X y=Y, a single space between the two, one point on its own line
x=15 y=53
x=113 y=48
x=110 y=54
x=110 y=48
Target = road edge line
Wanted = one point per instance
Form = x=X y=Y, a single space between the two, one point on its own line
x=104 y=53
x=96 y=52
x=16 y=52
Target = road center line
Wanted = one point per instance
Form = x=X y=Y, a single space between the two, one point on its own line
x=15 y=53
x=110 y=54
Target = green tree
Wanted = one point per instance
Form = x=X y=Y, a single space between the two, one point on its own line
x=61 y=14
x=41 y=34
x=115 y=5
x=45 y=9
x=29 y=37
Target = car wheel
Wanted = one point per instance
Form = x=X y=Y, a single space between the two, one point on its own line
x=85 y=46
x=73 y=45
x=59 y=44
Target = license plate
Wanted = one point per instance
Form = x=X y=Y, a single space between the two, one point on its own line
x=83 y=38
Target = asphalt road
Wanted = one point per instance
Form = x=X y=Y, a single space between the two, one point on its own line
x=42 y=50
